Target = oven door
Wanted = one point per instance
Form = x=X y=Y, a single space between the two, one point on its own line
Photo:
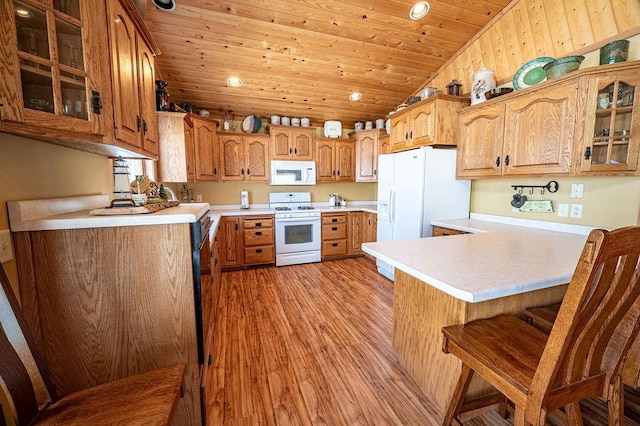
x=295 y=235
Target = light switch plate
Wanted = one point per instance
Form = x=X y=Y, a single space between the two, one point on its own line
x=577 y=190
x=6 y=252
x=563 y=210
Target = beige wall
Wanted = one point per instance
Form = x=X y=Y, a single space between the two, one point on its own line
x=32 y=169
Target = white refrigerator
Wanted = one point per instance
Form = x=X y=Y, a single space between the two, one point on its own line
x=414 y=188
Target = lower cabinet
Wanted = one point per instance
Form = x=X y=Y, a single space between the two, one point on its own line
x=246 y=241
x=440 y=231
x=334 y=235
x=343 y=233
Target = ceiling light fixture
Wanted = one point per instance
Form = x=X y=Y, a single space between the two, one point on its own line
x=23 y=13
x=234 y=81
x=419 y=10
x=166 y=5
x=355 y=96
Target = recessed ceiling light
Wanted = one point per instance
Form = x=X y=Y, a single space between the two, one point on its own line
x=23 y=13
x=355 y=96
x=234 y=81
x=419 y=10
x=166 y=5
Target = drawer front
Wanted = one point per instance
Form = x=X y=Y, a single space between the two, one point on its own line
x=260 y=222
x=339 y=218
x=258 y=237
x=439 y=231
x=256 y=255
x=334 y=232
x=333 y=248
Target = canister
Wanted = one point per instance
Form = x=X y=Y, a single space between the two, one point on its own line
x=483 y=81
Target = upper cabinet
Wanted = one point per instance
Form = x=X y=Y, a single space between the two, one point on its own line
x=611 y=132
x=132 y=67
x=291 y=143
x=51 y=80
x=205 y=144
x=57 y=81
x=585 y=123
x=428 y=122
x=367 y=148
x=244 y=157
x=335 y=160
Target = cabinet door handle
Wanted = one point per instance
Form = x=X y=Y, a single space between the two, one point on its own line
x=259 y=233
x=236 y=226
x=295 y=150
x=138 y=122
x=334 y=220
x=411 y=134
x=258 y=224
x=587 y=153
x=290 y=150
x=333 y=172
x=248 y=171
x=96 y=102
x=498 y=161
x=144 y=126
x=209 y=361
x=506 y=160
x=375 y=172
x=334 y=228
x=215 y=171
x=334 y=244
x=338 y=172
x=243 y=172
x=258 y=250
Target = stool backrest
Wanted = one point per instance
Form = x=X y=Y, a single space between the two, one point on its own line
x=22 y=375
x=597 y=321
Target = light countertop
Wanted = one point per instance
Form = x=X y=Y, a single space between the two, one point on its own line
x=262 y=209
x=495 y=260
x=73 y=213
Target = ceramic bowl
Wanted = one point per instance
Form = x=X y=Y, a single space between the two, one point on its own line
x=562 y=66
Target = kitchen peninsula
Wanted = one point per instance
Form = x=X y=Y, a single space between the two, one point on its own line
x=496 y=268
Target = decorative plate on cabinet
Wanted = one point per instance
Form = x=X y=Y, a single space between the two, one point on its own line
x=531 y=73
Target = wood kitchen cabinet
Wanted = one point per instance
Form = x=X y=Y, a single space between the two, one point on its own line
x=441 y=231
x=246 y=241
x=367 y=145
x=428 y=122
x=205 y=143
x=335 y=160
x=231 y=241
x=244 y=157
x=259 y=243
x=79 y=74
x=610 y=137
x=188 y=148
x=355 y=232
x=384 y=144
x=334 y=235
x=133 y=79
x=291 y=143
x=526 y=135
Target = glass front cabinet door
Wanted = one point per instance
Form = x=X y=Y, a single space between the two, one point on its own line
x=612 y=139
x=47 y=80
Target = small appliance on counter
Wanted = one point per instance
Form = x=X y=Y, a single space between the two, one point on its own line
x=244 y=199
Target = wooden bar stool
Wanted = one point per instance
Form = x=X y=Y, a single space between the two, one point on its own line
x=148 y=398
x=579 y=359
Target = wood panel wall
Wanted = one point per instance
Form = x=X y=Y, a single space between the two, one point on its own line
x=527 y=29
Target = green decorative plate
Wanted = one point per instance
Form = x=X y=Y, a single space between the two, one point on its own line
x=531 y=73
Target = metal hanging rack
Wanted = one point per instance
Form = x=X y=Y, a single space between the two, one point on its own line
x=552 y=187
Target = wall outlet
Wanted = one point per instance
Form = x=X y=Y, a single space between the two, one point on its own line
x=6 y=252
x=198 y=198
x=577 y=190
x=563 y=210
x=576 y=211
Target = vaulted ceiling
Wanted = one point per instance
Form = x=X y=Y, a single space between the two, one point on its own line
x=303 y=58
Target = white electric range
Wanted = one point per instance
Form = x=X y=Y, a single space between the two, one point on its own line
x=297 y=228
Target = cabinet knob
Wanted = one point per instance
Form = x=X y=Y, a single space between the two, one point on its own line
x=258 y=250
x=259 y=233
x=334 y=220
x=334 y=228
x=258 y=224
x=334 y=244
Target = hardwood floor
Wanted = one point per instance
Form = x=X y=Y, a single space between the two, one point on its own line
x=311 y=344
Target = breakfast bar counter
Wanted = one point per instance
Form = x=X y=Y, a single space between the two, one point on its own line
x=497 y=268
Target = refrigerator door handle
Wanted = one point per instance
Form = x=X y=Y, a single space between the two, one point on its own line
x=392 y=207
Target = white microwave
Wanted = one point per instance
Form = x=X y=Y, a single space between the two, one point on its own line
x=293 y=172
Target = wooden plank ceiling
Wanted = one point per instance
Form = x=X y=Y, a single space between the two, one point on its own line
x=303 y=58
